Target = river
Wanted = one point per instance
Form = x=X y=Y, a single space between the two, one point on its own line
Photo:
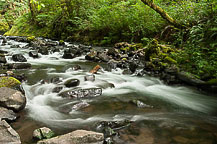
x=172 y=114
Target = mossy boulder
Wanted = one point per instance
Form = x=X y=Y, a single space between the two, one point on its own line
x=9 y=82
x=31 y=38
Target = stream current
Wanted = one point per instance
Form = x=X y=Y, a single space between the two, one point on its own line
x=172 y=114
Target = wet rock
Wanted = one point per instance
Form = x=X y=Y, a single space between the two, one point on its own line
x=133 y=66
x=89 y=78
x=7 y=115
x=112 y=64
x=76 y=67
x=126 y=72
x=3 y=52
x=80 y=105
x=61 y=42
x=33 y=54
x=57 y=89
x=91 y=56
x=76 y=137
x=68 y=56
x=19 y=58
x=95 y=69
x=43 y=133
x=9 y=82
x=12 y=99
x=103 y=57
x=113 y=52
x=3 y=59
x=4 y=40
x=104 y=84
x=81 y=93
x=43 y=50
x=56 y=80
x=19 y=66
x=190 y=79
x=15 y=46
x=72 y=83
x=7 y=134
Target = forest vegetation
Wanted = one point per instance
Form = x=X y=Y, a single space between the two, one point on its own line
x=187 y=26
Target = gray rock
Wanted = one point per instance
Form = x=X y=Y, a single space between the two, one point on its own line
x=3 y=59
x=18 y=58
x=7 y=115
x=33 y=54
x=76 y=137
x=91 y=56
x=103 y=57
x=7 y=134
x=43 y=133
x=12 y=99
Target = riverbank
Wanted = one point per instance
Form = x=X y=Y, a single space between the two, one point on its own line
x=130 y=104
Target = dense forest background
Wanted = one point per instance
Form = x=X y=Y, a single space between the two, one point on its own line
x=105 y=22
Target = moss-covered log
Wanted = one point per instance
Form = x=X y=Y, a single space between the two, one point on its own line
x=162 y=13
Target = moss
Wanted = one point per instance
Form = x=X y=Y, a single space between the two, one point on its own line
x=3 y=27
x=170 y=60
x=124 y=59
x=9 y=82
x=31 y=38
x=212 y=82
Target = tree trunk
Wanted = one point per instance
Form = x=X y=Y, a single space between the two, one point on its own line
x=162 y=13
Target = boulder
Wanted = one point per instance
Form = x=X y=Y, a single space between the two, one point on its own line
x=91 y=56
x=18 y=58
x=72 y=83
x=76 y=137
x=89 y=78
x=113 y=52
x=3 y=59
x=43 y=50
x=68 y=56
x=12 y=99
x=33 y=54
x=81 y=93
x=43 y=133
x=7 y=134
x=9 y=82
x=103 y=57
x=7 y=115
x=4 y=40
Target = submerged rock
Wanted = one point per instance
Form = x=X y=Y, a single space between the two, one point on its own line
x=76 y=137
x=43 y=133
x=140 y=104
x=76 y=67
x=7 y=115
x=72 y=83
x=12 y=99
x=18 y=58
x=7 y=134
x=19 y=66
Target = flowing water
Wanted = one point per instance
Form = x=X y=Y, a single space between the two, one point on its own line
x=172 y=114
